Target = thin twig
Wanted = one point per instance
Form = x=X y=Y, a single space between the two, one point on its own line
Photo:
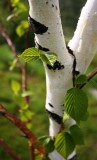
x=6 y=36
x=33 y=144
x=24 y=68
x=89 y=77
x=8 y=150
x=92 y=74
x=24 y=82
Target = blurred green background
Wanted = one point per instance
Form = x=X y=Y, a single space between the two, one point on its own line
x=11 y=14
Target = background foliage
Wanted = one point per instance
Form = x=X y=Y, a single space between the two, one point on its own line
x=70 y=11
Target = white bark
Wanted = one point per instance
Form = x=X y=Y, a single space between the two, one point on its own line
x=84 y=42
x=58 y=80
x=49 y=37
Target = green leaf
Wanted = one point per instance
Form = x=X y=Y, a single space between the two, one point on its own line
x=30 y=54
x=52 y=57
x=15 y=85
x=41 y=158
x=77 y=135
x=27 y=93
x=38 y=158
x=13 y=65
x=14 y=2
x=29 y=125
x=65 y=117
x=21 y=29
x=64 y=144
x=44 y=58
x=85 y=116
x=28 y=114
x=24 y=106
x=47 y=142
x=19 y=8
x=76 y=103
x=49 y=57
x=81 y=79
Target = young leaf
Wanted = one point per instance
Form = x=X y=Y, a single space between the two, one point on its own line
x=15 y=85
x=44 y=58
x=52 y=57
x=47 y=142
x=49 y=57
x=26 y=93
x=13 y=65
x=76 y=104
x=77 y=135
x=81 y=79
x=41 y=158
x=28 y=114
x=21 y=29
x=38 y=158
x=64 y=144
x=24 y=106
x=14 y=2
x=30 y=54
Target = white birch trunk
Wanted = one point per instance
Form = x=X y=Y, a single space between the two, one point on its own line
x=84 y=42
x=59 y=78
x=44 y=17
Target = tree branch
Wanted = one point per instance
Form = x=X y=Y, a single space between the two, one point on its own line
x=89 y=77
x=33 y=144
x=92 y=74
x=8 y=150
x=84 y=42
x=24 y=72
x=5 y=35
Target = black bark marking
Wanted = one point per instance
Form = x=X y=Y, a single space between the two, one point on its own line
x=52 y=5
x=56 y=8
x=51 y=105
x=57 y=65
x=74 y=72
x=73 y=158
x=54 y=116
x=41 y=48
x=37 y=27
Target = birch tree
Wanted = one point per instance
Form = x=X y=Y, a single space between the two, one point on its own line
x=72 y=60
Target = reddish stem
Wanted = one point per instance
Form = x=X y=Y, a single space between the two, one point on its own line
x=19 y=124
x=6 y=36
x=8 y=150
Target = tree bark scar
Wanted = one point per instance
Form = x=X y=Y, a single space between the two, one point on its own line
x=57 y=65
x=51 y=105
x=54 y=116
x=73 y=158
x=41 y=48
x=74 y=72
x=37 y=27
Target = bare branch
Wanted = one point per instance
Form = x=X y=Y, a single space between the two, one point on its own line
x=33 y=144
x=5 y=35
x=92 y=74
x=24 y=72
x=8 y=150
x=89 y=77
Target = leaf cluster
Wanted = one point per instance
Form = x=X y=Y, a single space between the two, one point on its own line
x=33 y=54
